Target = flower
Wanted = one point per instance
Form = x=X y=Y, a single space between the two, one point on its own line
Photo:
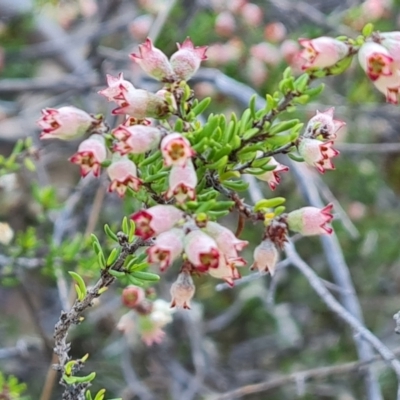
x=390 y=87
x=323 y=124
x=322 y=52
x=155 y=220
x=136 y=139
x=123 y=174
x=167 y=247
x=6 y=233
x=182 y=183
x=182 y=290
x=186 y=61
x=318 y=154
x=176 y=150
x=226 y=270
x=153 y=61
x=225 y=24
x=201 y=250
x=132 y=296
x=115 y=85
x=391 y=41
x=311 y=220
x=272 y=177
x=252 y=14
x=65 y=123
x=91 y=153
x=265 y=256
x=376 y=61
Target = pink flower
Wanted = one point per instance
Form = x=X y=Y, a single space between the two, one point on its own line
x=252 y=14
x=226 y=270
x=176 y=150
x=389 y=86
x=123 y=174
x=182 y=183
x=153 y=61
x=115 y=85
x=376 y=61
x=322 y=52
x=91 y=153
x=136 y=139
x=132 y=296
x=318 y=154
x=155 y=220
x=150 y=332
x=139 y=28
x=266 y=52
x=311 y=220
x=182 y=291
x=64 y=123
x=167 y=247
x=256 y=71
x=265 y=256
x=272 y=177
x=391 y=41
x=225 y=24
x=323 y=124
x=275 y=32
x=186 y=61
x=201 y=250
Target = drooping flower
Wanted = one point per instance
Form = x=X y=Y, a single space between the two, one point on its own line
x=115 y=85
x=65 y=123
x=376 y=61
x=182 y=290
x=389 y=86
x=153 y=61
x=201 y=250
x=323 y=124
x=136 y=139
x=132 y=296
x=186 y=61
x=272 y=177
x=155 y=220
x=391 y=41
x=182 y=183
x=226 y=270
x=265 y=256
x=311 y=220
x=176 y=150
x=322 y=52
x=167 y=247
x=317 y=153
x=91 y=153
x=123 y=174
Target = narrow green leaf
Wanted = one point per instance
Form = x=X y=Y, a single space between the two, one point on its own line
x=117 y=274
x=80 y=285
x=202 y=106
x=145 y=276
x=113 y=256
x=110 y=233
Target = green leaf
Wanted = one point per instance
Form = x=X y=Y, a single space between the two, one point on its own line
x=250 y=133
x=236 y=185
x=252 y=106
x=368 y=29
x=145 y=276
x=301 y=82
x=150 y=159
x=135 y=281
x=80 y=285
x=30 y=166
x=117 y=274
x=95 y=243
x=279 y=210
x=260 y=162
x=219 y=164
x=228 y=175
x=223 y=205
x=100 y=394
x=178 y=125
x=202 y=106
x=113 y=256
x=283 y=126
x=125 y=226
x=79 y=379
x=132 y=229
x=296 y=157
x=269 y=203
x=217 y=214
x=110 y=233
x=315 y=91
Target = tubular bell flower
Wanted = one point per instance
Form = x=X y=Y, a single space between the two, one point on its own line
x=186 y=61
x=115 y=85
x=201 y=250
x=65 y=123
x=322 y=123
x=176 y=150
x=391 y=41
x=318 y=154
x=322 y=52
x=265 y=256
x=182 y=183
x=153 y=61
x=272 y=177
x=311 y=221
x=91 y=153
x=136 y=139
x=155 y=220
x=123 y=174
x=167 y=247
x=376 y=61
x=226 y=270
x=182 y=290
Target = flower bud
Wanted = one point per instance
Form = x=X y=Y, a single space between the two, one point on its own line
x=186 y=61
x=167 y=247
x=139 y=28
x=323 y=124
x=322 y=52
x=267 y=53
x=155 y=220
x=182 y=291
x=251 y=14
x=256 y=71
x=91 y=153
x=65 y=123
x=6 y=234
x=275 y=32
x=376 y=61
x=123 y=174
x=311 y=220
x=182 y=183
x=225 y=24
x=176 y=150
x=265 y=256
x=272 y=177
x=153 y=61
x=132 y=296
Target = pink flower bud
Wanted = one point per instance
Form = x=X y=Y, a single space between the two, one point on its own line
x=201 y=250
x=272 y=177
x=91 y=153
x=311 y=220
x=182 y=291
x=139 y=28
x=176 y=150
x=136 y=139
x=186 y=61
x=123 y=174
x=266 y=52
x=132 y=296
x=318 y=154
x=322 y=52
x=182 y=183
x=153 y=61
x=256 y=71
x=155 y=220
x=226 y=270
x=275 y=32
x=64 y=123
x=376 y=61
x=265 y=256
x=289 y=50
x=167 y=247
x=323 y=124
x=225 y=24
x=251 y=14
